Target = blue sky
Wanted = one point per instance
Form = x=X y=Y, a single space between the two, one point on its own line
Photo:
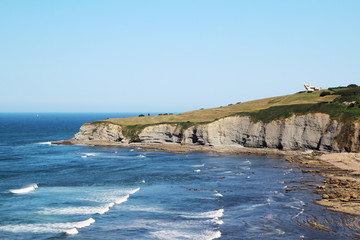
x=170 y=56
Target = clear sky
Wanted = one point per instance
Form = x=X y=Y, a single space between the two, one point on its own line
x=171 y=55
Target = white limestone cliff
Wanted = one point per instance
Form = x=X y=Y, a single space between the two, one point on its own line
x=100 y=131
x=312 y=131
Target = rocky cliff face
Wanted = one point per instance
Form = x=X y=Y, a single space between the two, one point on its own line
x=163 y=133
x=312 y=131
x=100 y=131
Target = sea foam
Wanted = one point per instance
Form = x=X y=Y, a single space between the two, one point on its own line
x=71 y=231
x=110 y=201
x=200 y=165
x=68 y=228
x=211 y=214
x=44 y=143
x=170 y=234
x=83 y=210
x=218 y=194
x=24 y=190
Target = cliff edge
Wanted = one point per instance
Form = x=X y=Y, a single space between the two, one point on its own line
x=327 y=120
x=312 y=131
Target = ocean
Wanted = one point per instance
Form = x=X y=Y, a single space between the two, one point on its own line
x=91 y=192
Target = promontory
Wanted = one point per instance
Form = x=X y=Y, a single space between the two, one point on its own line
x=324 y=120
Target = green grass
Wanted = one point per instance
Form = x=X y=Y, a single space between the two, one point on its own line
x=132 y=131
x=336 y=111
x=265 y=110
x=212 y=114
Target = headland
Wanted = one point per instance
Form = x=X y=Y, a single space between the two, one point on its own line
x=319 y=131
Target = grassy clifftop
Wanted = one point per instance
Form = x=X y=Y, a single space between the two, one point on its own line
x=342 y=103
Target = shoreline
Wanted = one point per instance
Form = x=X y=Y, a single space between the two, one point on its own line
x=185 y=148
x=341 y=171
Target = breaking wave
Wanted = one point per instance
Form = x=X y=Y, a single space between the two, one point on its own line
x=89 y=210
x=211 y=214
x=44 y=143
x=201 y=165
x=24 y=190
x=68 y=228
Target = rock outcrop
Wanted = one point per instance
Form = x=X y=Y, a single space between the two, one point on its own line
x=312 y=131
x=100 y=131
x=162 y=133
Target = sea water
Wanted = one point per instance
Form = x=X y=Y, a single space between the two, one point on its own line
x=89 y=192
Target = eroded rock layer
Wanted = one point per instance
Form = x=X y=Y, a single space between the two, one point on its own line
x=312 y=131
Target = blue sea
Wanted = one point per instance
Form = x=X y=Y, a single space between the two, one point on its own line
x=91 y=192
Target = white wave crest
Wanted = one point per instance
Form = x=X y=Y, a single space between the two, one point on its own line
x=71 y=231
x=171 y=234
x=68 y=228
x=218 y=194
x=134 y=191
x=109 y=196
x=216 y=221
x=122 y=199
x=197 y=170
x=212 y=214
x=201 y=165
x=142 y=156
x=84 y=223
x=76 y=210
x=89 y=210
x=24 y=190
x=215 y=235
x=44 y=143
x=90 y=154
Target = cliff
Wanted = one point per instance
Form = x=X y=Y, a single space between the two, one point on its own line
x=326 y=120
x=311 y=131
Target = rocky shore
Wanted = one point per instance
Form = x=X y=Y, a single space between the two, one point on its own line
x=341 y=188
x=185 y=148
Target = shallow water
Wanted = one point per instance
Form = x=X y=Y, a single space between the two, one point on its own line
x=87 y=192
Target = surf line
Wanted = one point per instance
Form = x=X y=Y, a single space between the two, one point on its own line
x=74 y=230
x=24 y=189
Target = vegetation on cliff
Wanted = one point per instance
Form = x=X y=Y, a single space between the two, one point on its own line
x=341 y=103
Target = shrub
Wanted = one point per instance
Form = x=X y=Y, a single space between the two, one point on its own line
x=160 y=114
x=352 y=86
x=141 y=115
x=324 y=94
x=170 y=114
x=165 y=114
